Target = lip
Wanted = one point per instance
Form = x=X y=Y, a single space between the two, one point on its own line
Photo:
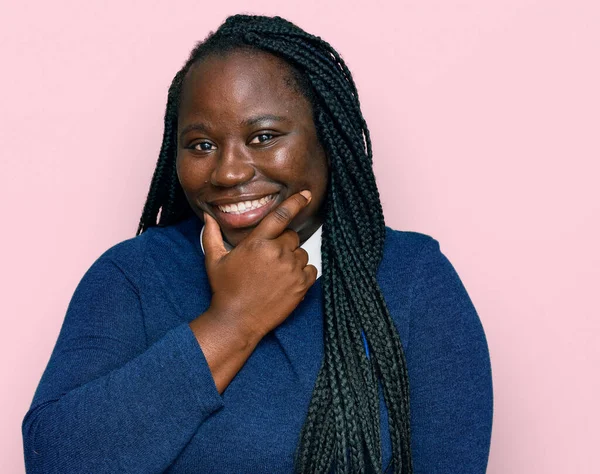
x=245 y=219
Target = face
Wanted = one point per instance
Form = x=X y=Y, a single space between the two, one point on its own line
x=246 y=142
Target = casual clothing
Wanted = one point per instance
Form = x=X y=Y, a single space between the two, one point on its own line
x=128 y=389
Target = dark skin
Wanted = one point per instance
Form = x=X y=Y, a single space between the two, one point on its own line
x=246 y=135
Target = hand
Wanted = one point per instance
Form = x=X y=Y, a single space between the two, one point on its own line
x=261 y=281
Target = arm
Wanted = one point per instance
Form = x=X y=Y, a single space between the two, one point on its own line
x=107 y=402
x=254 y=287
x=449 y=371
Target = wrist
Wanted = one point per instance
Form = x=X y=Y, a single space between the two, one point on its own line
x=225 y=342
x=230 y=325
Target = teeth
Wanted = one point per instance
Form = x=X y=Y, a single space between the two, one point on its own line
x=245 y=206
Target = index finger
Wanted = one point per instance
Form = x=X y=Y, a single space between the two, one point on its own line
x=281 y=217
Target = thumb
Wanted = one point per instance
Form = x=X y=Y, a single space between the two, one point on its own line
x=212 y=240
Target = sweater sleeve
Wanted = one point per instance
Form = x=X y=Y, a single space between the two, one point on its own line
x=449 y=372
x=107 y=402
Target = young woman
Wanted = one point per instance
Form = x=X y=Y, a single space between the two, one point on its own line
x=265 y=319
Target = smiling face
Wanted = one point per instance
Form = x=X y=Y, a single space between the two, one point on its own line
x=246 y=142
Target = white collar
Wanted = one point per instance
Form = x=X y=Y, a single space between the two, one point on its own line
x=312 y=247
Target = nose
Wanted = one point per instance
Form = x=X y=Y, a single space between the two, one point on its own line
x=233 y=168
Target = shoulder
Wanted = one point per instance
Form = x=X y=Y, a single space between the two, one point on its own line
x=399 y=270
x=418 y=272
x=417 y=260
x=402 y=243
x=424 y=292
x=164 y=244
x=403 y=251
x=414 y=271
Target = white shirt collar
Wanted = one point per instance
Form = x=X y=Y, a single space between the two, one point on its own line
x=312 y=247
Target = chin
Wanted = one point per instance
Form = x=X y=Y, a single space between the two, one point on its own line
x=235 y=239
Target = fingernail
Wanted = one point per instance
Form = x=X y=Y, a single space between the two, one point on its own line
x=306 y=193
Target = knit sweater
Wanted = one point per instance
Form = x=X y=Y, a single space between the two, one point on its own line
x=128 y=389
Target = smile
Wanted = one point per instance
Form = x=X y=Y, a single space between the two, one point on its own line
x=244 y=214
x=246 y=206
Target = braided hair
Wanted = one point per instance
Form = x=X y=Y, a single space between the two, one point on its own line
x=342 y=427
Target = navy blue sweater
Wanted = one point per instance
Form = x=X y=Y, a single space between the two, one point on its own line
x=128 y=390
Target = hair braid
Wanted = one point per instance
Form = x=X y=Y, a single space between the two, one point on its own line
x=342 y=425
x=161 y=196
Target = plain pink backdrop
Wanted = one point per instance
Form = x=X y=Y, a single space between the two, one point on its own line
x=485 y=118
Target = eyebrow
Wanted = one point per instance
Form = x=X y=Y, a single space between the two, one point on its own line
x=200 y=127
x=263 y=118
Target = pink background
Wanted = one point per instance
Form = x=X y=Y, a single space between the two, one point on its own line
x=485 y=121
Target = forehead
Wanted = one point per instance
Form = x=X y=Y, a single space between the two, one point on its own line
x=241 y=82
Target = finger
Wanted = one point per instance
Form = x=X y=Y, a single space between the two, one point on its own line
x=310 y=273
x=301 y=256
x=212 y=240
x=280 y=217
x=289 y=239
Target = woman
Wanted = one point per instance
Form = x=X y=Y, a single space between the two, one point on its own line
x=291 y=331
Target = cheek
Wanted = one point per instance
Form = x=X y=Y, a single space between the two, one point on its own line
x=193 y=174
x=307 y=165
x=316 y=168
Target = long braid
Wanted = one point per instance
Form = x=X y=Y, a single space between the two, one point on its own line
x=165 y=196
x=342 y=426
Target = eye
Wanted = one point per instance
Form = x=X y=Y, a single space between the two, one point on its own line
x=261 y=138
x=203 y=146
